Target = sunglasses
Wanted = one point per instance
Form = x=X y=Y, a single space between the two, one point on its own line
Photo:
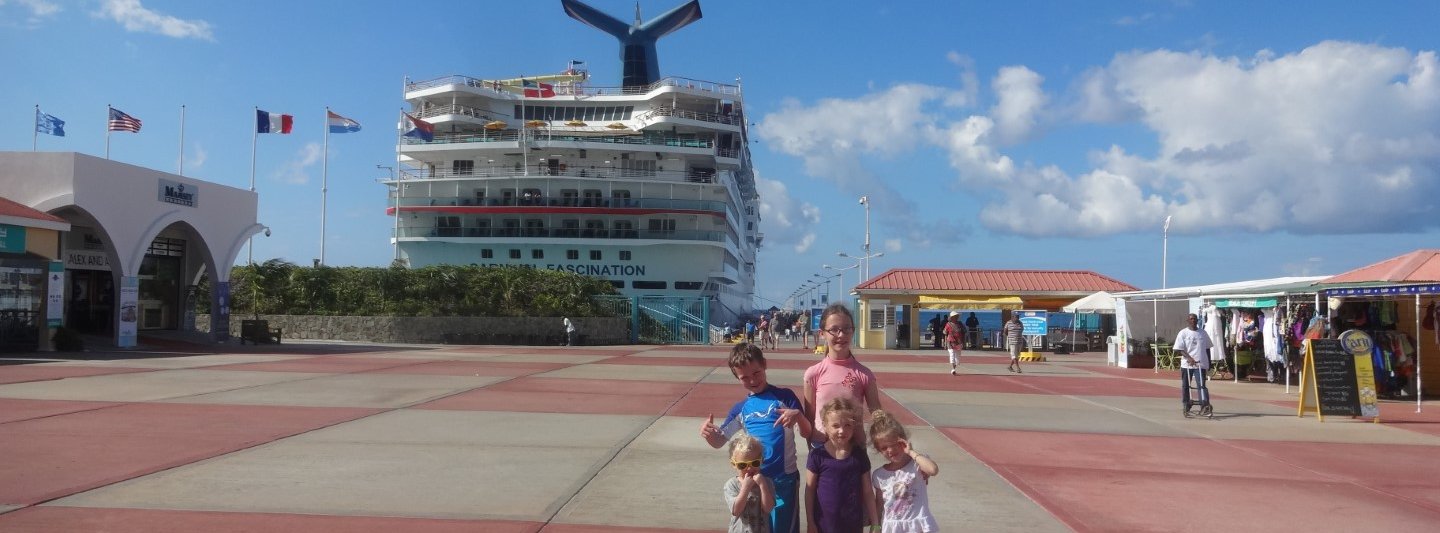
x=755 y=463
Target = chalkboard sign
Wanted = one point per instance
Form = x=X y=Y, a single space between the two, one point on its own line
x=1335 y=384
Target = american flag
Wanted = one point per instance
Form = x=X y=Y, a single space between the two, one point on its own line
x=119 y=121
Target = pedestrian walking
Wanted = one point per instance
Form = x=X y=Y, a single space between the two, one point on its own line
x=954 y=339
x=569 y=332
x=1015 y=340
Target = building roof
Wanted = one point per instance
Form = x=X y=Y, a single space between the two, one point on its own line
x=992 y=281
x=18 y=214
x=1415 y=267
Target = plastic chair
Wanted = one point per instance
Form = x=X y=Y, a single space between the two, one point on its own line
x=1165 y=356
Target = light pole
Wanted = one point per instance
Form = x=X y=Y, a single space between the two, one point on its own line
x=828 y=297
x=842 y=274
x=865 y=272
x=1155 y=303
x=862 y=260
x=1164 y=252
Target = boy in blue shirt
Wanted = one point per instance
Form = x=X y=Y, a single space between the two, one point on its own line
x=767 y=413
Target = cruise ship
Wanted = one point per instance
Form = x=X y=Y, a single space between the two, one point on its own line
x=647 y=184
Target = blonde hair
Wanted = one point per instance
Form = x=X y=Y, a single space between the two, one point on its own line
x=836 y=309
x=840 y=405
x=884 y=424
x=743 y=442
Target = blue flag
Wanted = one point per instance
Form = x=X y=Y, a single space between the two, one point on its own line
x=48 y=124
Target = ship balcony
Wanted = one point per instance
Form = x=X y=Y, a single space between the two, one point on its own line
x=466 y=84
x=605 y=172
x=665 y=113
x=467 y=205
x=453 y=112
x=541 y=138
x=523 y=235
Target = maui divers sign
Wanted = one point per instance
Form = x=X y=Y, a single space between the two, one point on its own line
x=174 y=192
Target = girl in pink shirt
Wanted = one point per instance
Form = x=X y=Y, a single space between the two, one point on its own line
x=838 y=375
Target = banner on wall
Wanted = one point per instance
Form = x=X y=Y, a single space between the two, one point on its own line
x=55 y=295
x=129 y=311
x=220 y=313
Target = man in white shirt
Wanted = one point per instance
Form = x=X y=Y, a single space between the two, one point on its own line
x=1193 y=346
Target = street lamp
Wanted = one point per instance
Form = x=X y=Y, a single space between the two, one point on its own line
x=1155 y=303
x=827 y=278
x=842 y=273
x=865 y=260
x=865 y=272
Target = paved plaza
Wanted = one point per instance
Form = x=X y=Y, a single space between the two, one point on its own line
x=334 y=437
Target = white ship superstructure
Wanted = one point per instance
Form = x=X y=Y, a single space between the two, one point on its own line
x=647 y=186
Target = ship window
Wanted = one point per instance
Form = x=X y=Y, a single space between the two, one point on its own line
x=592 y=198
x=620 y=198
x=463 y=167
x=589 y=114
x=624 y=255
x=569 y=197
x=569 y=113
x=689 y=285
x=648 y=284
x=569 y=228
x=657 y=224
x=537 y=254
x=594 y=255
x=514 y=254
x=535 y=227
x=486 y=253
x=625 y=229
x=628 y=110
x=617 y=283
x=447 y=226
x=507 y=196
x=572 y=254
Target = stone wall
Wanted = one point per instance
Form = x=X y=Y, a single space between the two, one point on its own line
x=548 y=331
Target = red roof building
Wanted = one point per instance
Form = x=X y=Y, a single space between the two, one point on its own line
x=1419 y=266
x=909 y=290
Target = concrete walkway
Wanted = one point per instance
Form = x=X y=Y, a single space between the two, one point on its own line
x=326 y=437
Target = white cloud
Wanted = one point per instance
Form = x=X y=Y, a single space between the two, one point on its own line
x=786 y=221
x=1019 y=103
x=1337 y=138
x=893 y=246
x=294 y=171
x=196 y=159
x=37 y=11
x=136 y=18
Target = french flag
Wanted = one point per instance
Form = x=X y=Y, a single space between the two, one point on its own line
x=419 y=128
x=273 y=122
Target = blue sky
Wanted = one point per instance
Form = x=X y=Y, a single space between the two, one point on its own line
x=1283 y=138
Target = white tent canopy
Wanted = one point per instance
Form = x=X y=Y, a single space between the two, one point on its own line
x=1100 y=302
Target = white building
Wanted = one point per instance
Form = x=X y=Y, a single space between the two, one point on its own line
x=139 y=241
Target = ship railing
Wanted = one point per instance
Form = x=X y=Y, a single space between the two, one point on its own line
x=453 y=109
x=667 y=111
x=544 y=136
x=569 y=171
x=567 y=201
x=559 y=233
x=580 y=90
x=727 y=152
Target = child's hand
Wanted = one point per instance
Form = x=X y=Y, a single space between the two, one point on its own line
x=788 y=417
x=708 y=430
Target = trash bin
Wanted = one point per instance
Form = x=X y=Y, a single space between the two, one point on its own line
x=1112 y=351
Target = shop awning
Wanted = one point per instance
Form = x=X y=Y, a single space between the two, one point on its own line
x=976 y=303
x=1260 y=303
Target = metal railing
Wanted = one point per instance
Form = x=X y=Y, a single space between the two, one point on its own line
x=576 y=171
x=453 y=109
x=562 y=201
x=545 y=136
x=559 y=233
x=667 y=111
x=565 y=89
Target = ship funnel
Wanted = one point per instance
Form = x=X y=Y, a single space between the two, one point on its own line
x=637 y=41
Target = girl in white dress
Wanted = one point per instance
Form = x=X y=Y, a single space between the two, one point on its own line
x=900 y=485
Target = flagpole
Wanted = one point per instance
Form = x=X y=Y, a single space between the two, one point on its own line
x=107 y=130
x=35 y=135
x=181 y=164
x=399 y=130
x=324 y=181
x=254 y=135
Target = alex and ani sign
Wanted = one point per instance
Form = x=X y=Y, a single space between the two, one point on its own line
x=174 y=192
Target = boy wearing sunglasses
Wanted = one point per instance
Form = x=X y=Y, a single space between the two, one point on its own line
x=750 y=495
x=767 y=414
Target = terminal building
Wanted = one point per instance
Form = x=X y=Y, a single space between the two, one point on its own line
x=138 y=240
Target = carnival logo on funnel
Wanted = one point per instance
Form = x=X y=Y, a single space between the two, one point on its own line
x=1356 y=342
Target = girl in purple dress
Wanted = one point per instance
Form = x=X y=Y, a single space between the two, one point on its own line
x=838 y=495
